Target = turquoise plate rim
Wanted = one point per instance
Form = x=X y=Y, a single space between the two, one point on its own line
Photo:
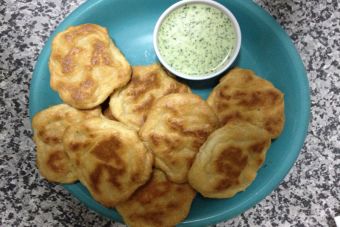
x=272 y=183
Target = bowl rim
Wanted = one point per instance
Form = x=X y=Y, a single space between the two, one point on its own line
x=227 y=63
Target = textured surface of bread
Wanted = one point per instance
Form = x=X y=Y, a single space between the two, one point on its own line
x=228 y=161
x=158 y=203
x=176 y=126
x=244 y=96
x=111 y=160
x=131 y=104
x=49 y=126
x=86 y=66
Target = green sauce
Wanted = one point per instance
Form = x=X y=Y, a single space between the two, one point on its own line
x=196 y=39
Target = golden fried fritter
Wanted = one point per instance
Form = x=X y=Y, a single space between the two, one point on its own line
x=111 y=161
x=49 y=126
x=158 y=203
x=86 y=66
x=176 y=126
x=131 y=104
x=244 y=96
x=228 y=161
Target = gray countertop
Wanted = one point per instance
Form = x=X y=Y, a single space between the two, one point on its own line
x=309 y=194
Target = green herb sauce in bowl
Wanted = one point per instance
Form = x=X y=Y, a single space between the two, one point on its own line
x=197 y=39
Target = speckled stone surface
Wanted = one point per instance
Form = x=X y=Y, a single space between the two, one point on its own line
x=308 y=196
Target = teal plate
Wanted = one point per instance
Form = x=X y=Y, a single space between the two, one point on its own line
x=266 y=49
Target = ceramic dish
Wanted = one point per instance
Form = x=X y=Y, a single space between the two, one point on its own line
x=229 y=59
x=266 y=49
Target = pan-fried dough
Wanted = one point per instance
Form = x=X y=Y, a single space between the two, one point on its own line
x=176 y=126
x=158 y=203
x=228 y=161
x=131 y=104
x=49 y=126
x=86 y=66
x=111 y=161
x=244 y=96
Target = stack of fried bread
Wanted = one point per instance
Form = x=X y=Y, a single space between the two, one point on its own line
x=155 y=144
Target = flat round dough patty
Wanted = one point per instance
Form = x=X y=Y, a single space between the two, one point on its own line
x=131 y=104
x=228 y=161
x=86 y=66
x=111 y=160
x=242 y=95
x=158 y=203
x=176 y=126
x=49 y=126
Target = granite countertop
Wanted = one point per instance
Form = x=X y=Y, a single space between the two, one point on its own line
x=309 y=194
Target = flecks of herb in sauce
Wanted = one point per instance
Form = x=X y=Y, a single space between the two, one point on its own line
x=196 y=39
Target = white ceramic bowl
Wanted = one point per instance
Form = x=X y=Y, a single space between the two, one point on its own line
x=225 y=65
